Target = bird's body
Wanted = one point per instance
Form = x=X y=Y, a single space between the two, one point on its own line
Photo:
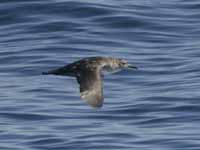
x=88 y=72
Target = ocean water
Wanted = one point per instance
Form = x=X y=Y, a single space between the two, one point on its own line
x=156 y=107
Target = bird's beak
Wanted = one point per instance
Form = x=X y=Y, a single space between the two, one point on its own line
x=132 y=67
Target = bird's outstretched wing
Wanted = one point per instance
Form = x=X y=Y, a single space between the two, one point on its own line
x=91 y=86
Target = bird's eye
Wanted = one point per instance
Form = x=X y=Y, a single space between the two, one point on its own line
x=124 y=63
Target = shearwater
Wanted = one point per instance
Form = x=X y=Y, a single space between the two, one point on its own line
x=89 y=73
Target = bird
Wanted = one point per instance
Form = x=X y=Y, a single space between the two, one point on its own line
x=89 y=73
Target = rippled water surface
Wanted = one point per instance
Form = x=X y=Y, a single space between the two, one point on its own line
x=154 y=108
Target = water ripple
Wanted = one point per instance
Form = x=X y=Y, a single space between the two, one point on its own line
x=155 y=107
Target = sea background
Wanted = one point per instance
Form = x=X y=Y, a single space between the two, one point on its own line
x=156 y=107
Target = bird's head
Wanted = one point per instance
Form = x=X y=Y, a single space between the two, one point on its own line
x=116 y=64
x=124 y=64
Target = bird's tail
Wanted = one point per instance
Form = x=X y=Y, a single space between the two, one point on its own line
x=45 y=73
x=63 y=71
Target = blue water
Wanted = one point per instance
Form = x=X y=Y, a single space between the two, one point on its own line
x=154 y=108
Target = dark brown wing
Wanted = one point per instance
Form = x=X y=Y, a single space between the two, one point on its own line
x=91 y=87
